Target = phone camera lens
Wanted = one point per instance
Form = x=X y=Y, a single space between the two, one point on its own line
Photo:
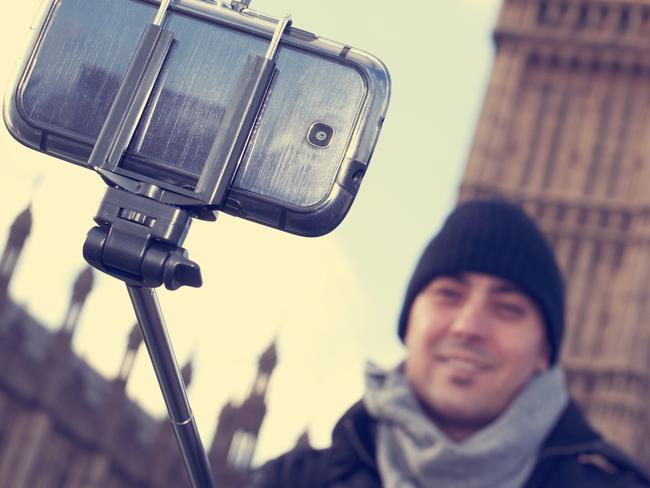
x=320 y=134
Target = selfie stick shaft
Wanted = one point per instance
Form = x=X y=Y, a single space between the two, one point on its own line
x=154 y=332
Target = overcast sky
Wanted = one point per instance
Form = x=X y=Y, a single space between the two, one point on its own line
x=332 y=302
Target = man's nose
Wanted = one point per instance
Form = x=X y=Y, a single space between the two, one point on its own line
x=471 y=320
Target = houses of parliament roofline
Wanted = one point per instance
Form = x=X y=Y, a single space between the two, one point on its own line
x=64 y=424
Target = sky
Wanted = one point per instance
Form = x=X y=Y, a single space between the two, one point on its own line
x=330 y=302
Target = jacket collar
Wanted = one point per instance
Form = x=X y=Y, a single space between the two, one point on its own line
x=353 y=438
x=573 y=435
x=570 y=431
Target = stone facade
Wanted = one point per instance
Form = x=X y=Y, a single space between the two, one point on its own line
x=565 y=131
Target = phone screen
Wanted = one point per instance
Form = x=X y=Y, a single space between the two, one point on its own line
x=302 y=133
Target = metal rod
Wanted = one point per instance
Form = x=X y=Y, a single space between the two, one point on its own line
x=162 y=10
x=152 y=324
x=277 y=35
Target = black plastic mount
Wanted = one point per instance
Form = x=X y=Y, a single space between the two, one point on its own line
x=139 y=241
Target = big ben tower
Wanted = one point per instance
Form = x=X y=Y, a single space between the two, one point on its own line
x=565 y=131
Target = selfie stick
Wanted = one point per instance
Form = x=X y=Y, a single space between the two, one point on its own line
x=139 y=234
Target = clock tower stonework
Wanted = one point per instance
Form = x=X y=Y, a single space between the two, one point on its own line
x=565 y=131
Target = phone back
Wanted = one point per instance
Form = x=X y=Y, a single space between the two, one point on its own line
x=310 y=145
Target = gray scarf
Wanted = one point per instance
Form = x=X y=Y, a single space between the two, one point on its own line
x=413 y=452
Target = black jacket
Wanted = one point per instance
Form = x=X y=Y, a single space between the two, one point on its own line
x=573 y=456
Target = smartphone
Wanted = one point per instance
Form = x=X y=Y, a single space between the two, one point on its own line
x=312 y=140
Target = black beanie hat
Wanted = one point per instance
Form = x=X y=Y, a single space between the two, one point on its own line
x=497 y=238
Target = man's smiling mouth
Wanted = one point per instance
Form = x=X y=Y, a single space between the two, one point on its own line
x=464 y=362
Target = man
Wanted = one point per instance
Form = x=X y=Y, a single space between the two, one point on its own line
x=479 y=401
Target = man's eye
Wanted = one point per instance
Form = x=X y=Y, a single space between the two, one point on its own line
x=449 y=293
x=510 y=310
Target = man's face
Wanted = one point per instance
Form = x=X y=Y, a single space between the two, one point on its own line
x=473 y=342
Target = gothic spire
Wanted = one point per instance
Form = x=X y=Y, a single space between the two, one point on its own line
x=18 y=233
x=21 y=227
x=132 y=346
x=187 y=371
x=80 y=291
x=269 y=358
